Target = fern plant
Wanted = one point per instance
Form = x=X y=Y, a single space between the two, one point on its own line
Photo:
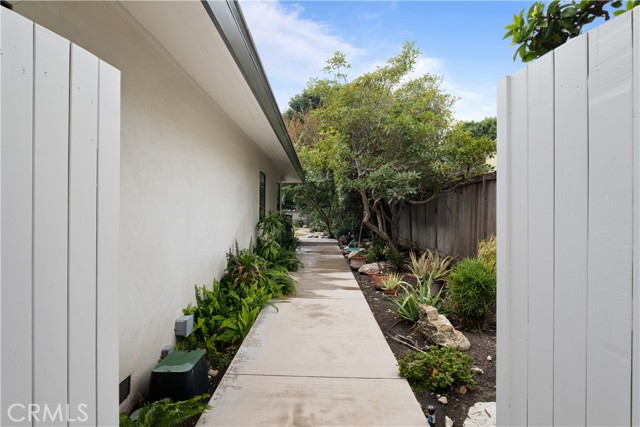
x=165 y=413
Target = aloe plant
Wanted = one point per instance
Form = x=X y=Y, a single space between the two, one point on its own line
x=393 y=282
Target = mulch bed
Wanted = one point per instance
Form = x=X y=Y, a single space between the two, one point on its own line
x=483 y=345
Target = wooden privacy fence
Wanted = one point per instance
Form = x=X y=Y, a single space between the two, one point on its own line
x=454 y=222
x=59 y=207
x=568 y=234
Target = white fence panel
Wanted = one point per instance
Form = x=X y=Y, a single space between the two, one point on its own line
x=83 y=178
x=108 y=227
x=568 y=340
x=59 y=152
x=541 y=207
x=50 y=207
x=571 y=218
x=16 y=96
x=609 y=296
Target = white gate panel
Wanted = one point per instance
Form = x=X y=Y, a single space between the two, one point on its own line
x=16 y=96
x=610 y=248
x=541 y=209
x=83 y=179
x=571 y=221
x=108 y=241
x=50 y=186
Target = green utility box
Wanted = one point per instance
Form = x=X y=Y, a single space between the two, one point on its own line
x=179 y=376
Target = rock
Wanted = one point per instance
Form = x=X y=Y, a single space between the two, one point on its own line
x=373 y=268
x=448 y=422
x=443 y=400
x=489 y=358
x=359 y=252
x=477 y=370
x=212 y=373
x=482 y=414
x=437 y=329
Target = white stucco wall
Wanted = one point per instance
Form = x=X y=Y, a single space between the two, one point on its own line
x=189 y=179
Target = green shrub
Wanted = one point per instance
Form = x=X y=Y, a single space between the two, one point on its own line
x=438 y=369
x=277 y=242
x=487 y=252
x=165 y=413
x=472 y=292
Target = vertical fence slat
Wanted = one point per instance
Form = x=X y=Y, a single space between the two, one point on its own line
x=635 y=379
x=571 y=218
x=16 y=180
x=503 y=211
x=108 y=232
x=540 y=177
x=51 y=143
x=609 y=296
x=519 y=244
x=82 y=234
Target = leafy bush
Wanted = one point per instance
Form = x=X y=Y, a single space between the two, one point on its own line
x=277 y=242
x=472 y=292
x=165 y=413
x=487 y=252
x=298 y=223
x=408 y=304
x=438 y=369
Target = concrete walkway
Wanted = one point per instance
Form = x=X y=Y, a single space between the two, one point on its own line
x=319 y=360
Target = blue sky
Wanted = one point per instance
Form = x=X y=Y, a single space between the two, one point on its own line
x=459 y=40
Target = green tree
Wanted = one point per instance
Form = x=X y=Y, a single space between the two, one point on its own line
x=546 y=26
x=487 y=127
x=391 y=138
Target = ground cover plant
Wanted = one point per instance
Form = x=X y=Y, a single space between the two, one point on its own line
x=438 y=369
x=165 y=413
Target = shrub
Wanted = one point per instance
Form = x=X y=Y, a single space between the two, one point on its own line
x=277 y=242
x=430 y=264
x=165 y=413
x=438 y=369
x=487 y=252
x=472 y=292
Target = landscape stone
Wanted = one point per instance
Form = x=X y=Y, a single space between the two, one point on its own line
x=482 y=414
x=448 y=422
x=355 y=253
x=477 y=370
x=372 y=268
x=437 y=330
x=443 y=400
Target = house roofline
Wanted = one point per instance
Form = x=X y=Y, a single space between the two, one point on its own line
x=227 y=17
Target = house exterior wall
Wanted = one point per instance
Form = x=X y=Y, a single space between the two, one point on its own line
x=189 y=179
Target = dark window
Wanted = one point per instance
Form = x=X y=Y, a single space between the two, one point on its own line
x=279 y=197
x=263 y=185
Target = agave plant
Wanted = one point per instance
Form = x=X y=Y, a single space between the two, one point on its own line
x=393 y=282
x=430 y=265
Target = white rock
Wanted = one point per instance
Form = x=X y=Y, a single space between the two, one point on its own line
x=448 y=422
x=477 y=370
x=372 y=268
x=482 y=414
x=489 y=358
x=437 y=329
x=443 y=400
x=355 y=253
x=212 y=373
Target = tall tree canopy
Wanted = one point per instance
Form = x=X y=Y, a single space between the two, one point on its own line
x=546 y=26
x=390 y=137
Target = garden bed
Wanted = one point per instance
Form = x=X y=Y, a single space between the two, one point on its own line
x=483 y=346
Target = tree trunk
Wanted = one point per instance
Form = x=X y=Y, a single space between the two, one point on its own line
x=371 y=226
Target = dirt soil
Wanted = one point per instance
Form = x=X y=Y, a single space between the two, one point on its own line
x=483 y=352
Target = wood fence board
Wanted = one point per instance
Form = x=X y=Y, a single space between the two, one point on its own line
x=16 y=138
x=609 y=315
x=503 y=212
x=83 y=156
x=518 y=243
x=108 y=241
x=541 y=232
x=51 y=142
x=635 y=379
x=571 y=219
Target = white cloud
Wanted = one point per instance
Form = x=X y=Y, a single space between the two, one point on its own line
x=294 y=49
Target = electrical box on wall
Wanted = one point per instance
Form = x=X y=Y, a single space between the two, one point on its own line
x=184 y=326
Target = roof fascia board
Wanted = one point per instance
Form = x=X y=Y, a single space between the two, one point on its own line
x=227 y=16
